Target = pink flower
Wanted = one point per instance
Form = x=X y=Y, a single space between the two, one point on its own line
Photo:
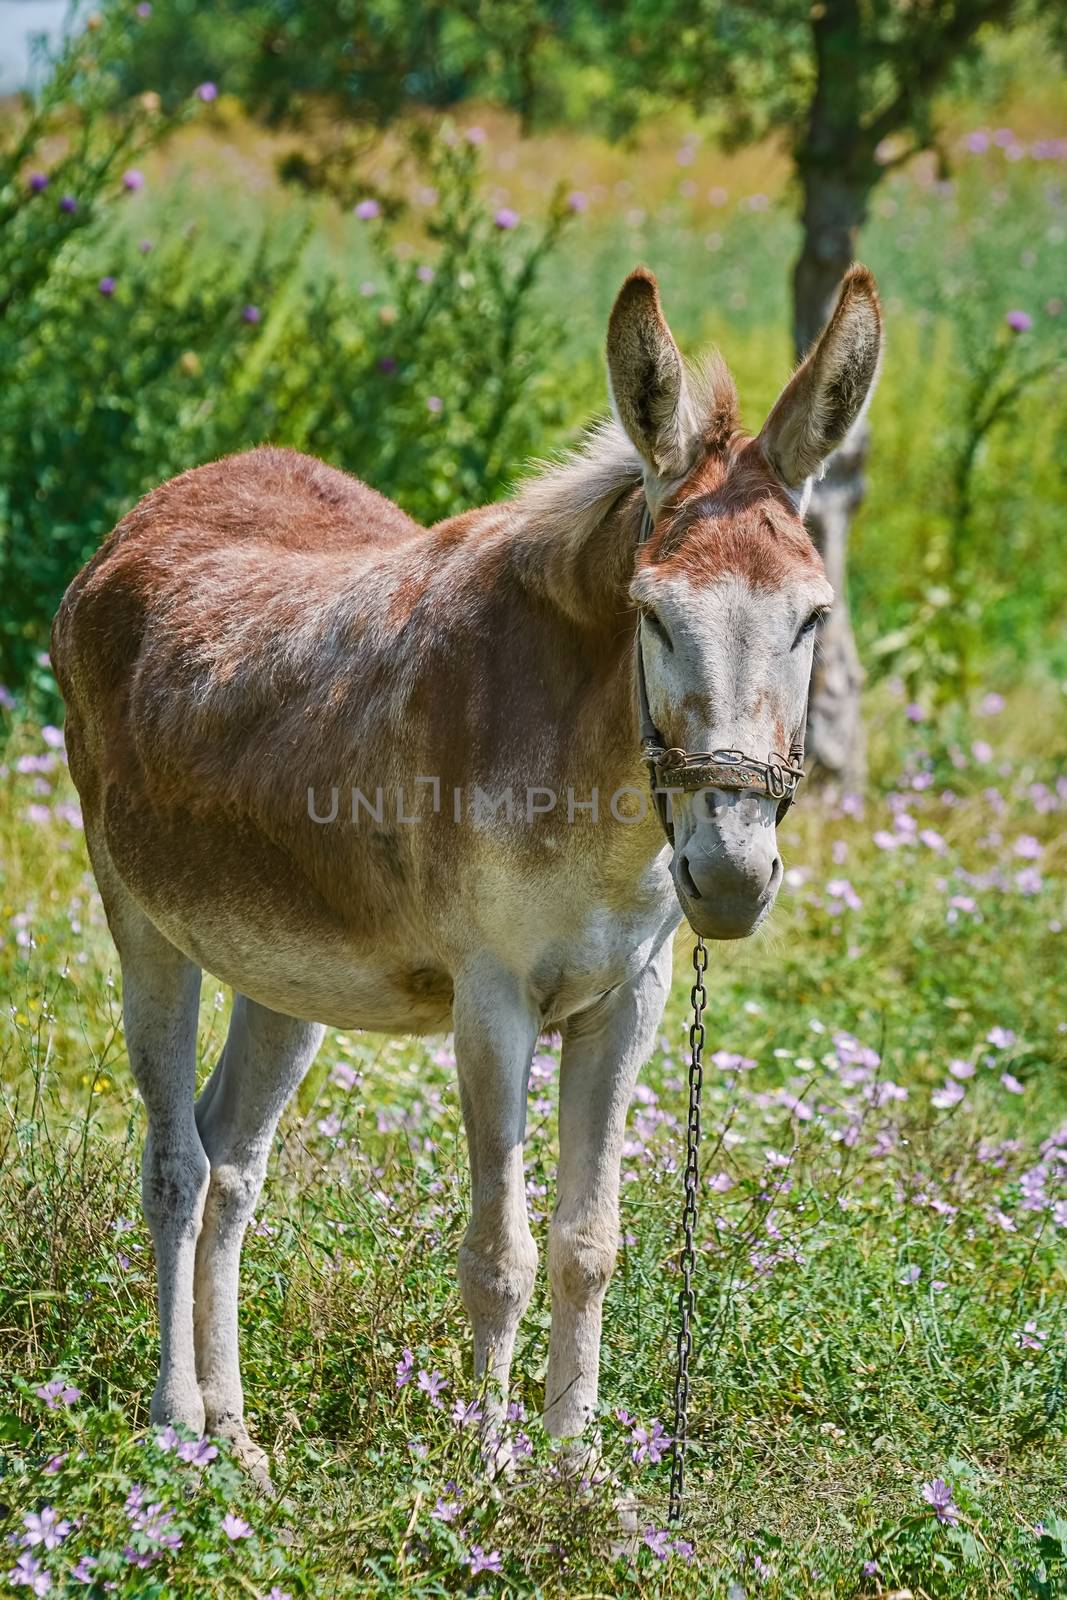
x=1001 y=1038
x=1019 y=321
x=1029 y=848
x=207 y=92
x=1011 y=1083
x=434 y=403
x=133 y=180
x=1031 y=1338
x=577 y=201
x=476 y=136
x=961 y=1069
x=367 y=210
x=405 y=1368
x=235 y=1527
x=505 y=218
x=945 y=1098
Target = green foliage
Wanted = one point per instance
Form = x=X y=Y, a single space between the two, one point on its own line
x=127 y=361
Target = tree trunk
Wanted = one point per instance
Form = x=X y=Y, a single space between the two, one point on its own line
x=836 y=745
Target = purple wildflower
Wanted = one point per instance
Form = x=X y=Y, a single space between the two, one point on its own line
x=207 y=92
x=658 y=1541
x=506 y=219
x=447 y=1510
x=950 y=1095
x=132 y=180
x=68 y=204
x=1011 y=1083
x=649 y=1443
x=367 y=210
x=1031 y=1337
x=466 y=1412
x=167 y=1439
x=1001 y=1038
x=577 y=201
x=56 y=1393
x=405 y=1368
x=434 y=403
x=83 y=1572
x=235 y=1527
x=197 y=1452
x=28 y=1573
x=1019 y=321
x=432 y=1383
x=140 y=1558
x=251 y=314
x=479 y=1561
x=44 y=1527
x=38 y=182
x=145 y=8
x=106 y=287
x=938 y=1494
x=476 y=136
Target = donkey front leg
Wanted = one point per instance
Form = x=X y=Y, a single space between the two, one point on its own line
x=495 y=1033
x=603 y=1050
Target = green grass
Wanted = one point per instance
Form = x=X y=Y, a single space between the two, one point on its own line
x=863 y=1293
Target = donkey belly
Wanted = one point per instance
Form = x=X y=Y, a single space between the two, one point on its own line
x=240 y=907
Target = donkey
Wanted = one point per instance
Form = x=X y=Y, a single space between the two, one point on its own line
x=265 y=633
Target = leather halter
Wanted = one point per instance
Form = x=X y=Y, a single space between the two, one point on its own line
x=673 y=770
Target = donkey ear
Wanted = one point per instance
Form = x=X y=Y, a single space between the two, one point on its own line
x=830 y=389
x=647 y=379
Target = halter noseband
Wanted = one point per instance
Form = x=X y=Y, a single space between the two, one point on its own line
x=674 y=770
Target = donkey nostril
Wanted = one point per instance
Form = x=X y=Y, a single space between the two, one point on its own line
x=776 y=875
x=688 y=881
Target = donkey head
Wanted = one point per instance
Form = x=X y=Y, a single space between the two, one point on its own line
x=729 y=586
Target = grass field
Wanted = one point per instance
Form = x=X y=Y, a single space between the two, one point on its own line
x=882 y=1300
x=880 y=1376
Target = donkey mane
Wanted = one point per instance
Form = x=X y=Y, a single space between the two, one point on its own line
x=576 y=518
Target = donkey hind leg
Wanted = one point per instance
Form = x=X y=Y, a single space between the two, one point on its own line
x=160 y=1003
x=262 y=1062
x=495 y=1033
x=603 y=1050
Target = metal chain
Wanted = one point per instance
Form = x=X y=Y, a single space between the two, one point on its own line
x=686 y=1295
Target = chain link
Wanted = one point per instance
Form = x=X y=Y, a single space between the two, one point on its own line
x=686 y=1294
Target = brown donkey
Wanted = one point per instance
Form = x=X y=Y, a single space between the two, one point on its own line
x=378 y=776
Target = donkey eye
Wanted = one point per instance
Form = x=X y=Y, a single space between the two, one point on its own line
x=656 y=627
x=809 y=626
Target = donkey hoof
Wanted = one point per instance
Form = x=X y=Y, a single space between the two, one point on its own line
x=177 y=1404
x=250 y=1456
